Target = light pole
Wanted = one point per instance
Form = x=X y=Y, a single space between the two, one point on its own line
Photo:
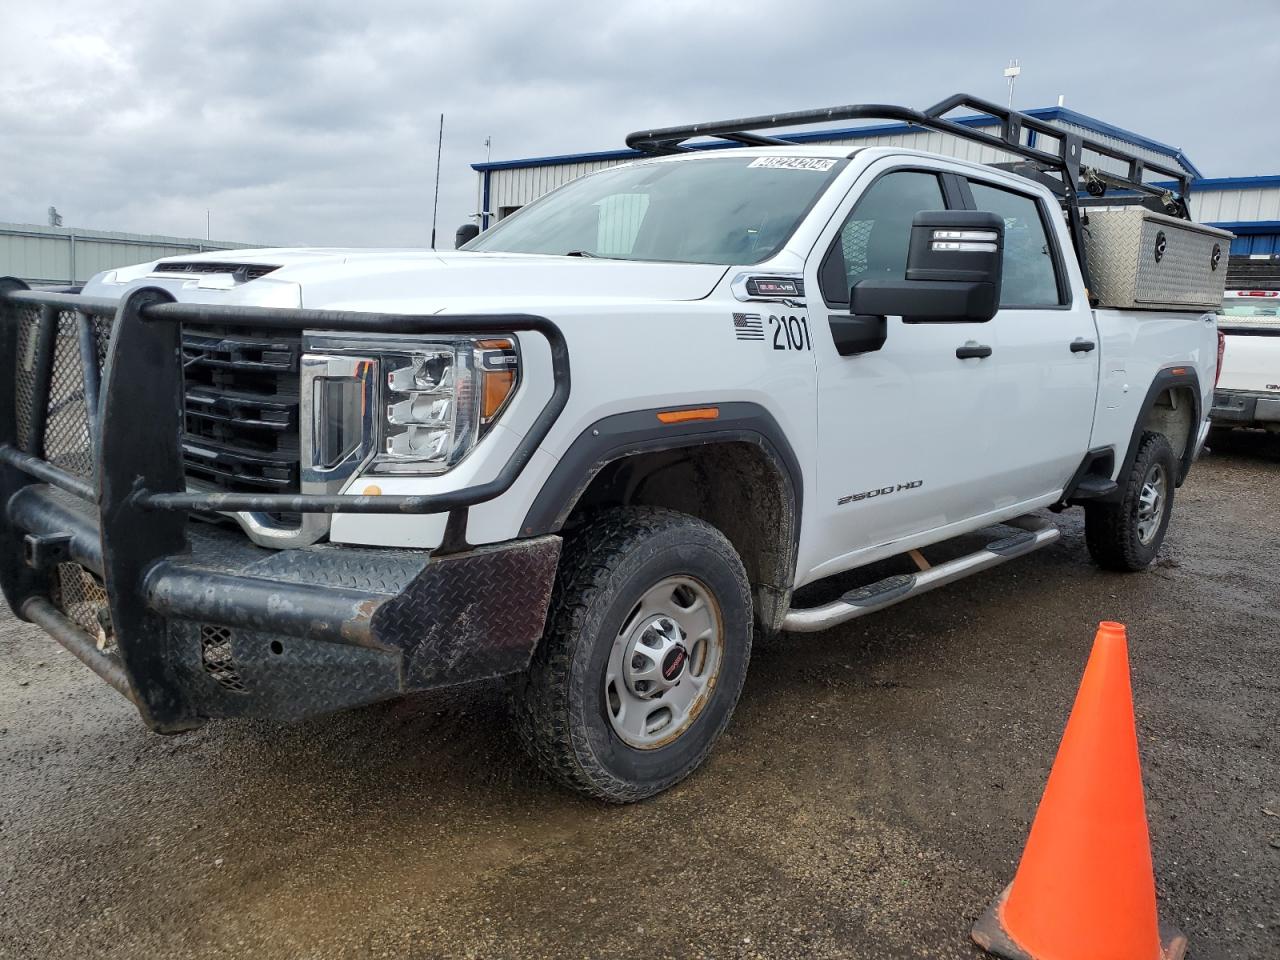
x=1011 y=74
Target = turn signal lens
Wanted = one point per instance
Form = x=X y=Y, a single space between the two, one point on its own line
x=498 y=365
x=497 y=387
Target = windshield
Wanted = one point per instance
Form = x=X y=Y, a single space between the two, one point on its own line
x=721 y=210
x=1265 y=305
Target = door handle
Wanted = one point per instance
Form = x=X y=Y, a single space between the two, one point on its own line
x=1080 y=345
x=971 y=350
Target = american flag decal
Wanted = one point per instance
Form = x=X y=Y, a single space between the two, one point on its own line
x=748 y=326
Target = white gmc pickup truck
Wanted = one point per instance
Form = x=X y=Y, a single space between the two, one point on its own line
x=596 y=450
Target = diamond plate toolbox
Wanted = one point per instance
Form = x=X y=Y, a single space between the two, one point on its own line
x=1142 y=260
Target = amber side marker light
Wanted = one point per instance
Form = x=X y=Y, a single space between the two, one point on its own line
x=683 y=416
x=495 y=385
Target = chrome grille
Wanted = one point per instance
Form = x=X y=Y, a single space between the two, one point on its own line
x=241 y=409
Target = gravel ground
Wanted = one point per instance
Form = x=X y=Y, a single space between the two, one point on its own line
x=870 y=797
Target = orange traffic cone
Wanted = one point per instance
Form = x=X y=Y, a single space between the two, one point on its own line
x=1085 y=889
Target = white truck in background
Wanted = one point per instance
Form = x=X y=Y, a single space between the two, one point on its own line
x=600 y=448
x=1248 y=389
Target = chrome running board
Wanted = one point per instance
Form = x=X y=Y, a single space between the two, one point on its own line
x=1035 y=533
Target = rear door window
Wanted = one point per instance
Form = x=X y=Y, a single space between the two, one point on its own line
x=1031 y=277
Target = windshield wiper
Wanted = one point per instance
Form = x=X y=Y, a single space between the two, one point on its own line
x=583 y=253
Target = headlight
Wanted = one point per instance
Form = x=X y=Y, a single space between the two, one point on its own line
x=433 y=402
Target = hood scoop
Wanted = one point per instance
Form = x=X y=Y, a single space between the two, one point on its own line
x=241 y=272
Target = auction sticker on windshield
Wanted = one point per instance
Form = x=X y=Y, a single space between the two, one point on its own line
x=794 y=163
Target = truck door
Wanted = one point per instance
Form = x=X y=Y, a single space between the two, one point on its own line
x=1045 y=351
x=903 y=431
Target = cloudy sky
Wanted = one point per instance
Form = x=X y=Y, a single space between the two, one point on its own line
x=315 y=122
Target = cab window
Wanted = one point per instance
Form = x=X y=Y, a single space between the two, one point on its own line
x=873 y=243
x=721 y=210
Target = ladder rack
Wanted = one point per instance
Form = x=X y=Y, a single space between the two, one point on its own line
x=1063 y=170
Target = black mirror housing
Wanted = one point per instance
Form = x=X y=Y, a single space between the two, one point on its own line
x=858 y=334
x=465 y=234
x=953 y=272
x=926 y=301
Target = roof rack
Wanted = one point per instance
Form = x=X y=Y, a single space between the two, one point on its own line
x=1062 y=170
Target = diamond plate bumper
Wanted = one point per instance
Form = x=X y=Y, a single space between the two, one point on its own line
x=293 y=633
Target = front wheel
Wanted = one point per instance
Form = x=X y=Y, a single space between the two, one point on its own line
x=1127 y=535
x=643 y=657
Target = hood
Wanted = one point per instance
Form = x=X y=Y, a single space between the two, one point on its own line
x=410 y=281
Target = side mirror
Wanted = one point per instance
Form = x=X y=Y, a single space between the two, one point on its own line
x=858 y=334
x=953 y=272
x=465 y=234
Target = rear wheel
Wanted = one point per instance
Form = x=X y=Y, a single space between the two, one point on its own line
x=1127 y=535
x=644 y=654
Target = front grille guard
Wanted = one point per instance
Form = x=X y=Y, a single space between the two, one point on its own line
x=132 y=405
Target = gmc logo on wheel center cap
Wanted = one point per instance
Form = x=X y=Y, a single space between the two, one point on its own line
x=673 y=663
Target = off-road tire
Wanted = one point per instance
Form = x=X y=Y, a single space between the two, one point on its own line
x=1111 y=529
x=560 y=708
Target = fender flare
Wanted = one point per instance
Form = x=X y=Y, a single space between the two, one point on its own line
x=1169 y=377
x=639 y=431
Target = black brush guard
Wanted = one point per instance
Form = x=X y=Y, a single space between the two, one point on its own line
x=191 y=621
